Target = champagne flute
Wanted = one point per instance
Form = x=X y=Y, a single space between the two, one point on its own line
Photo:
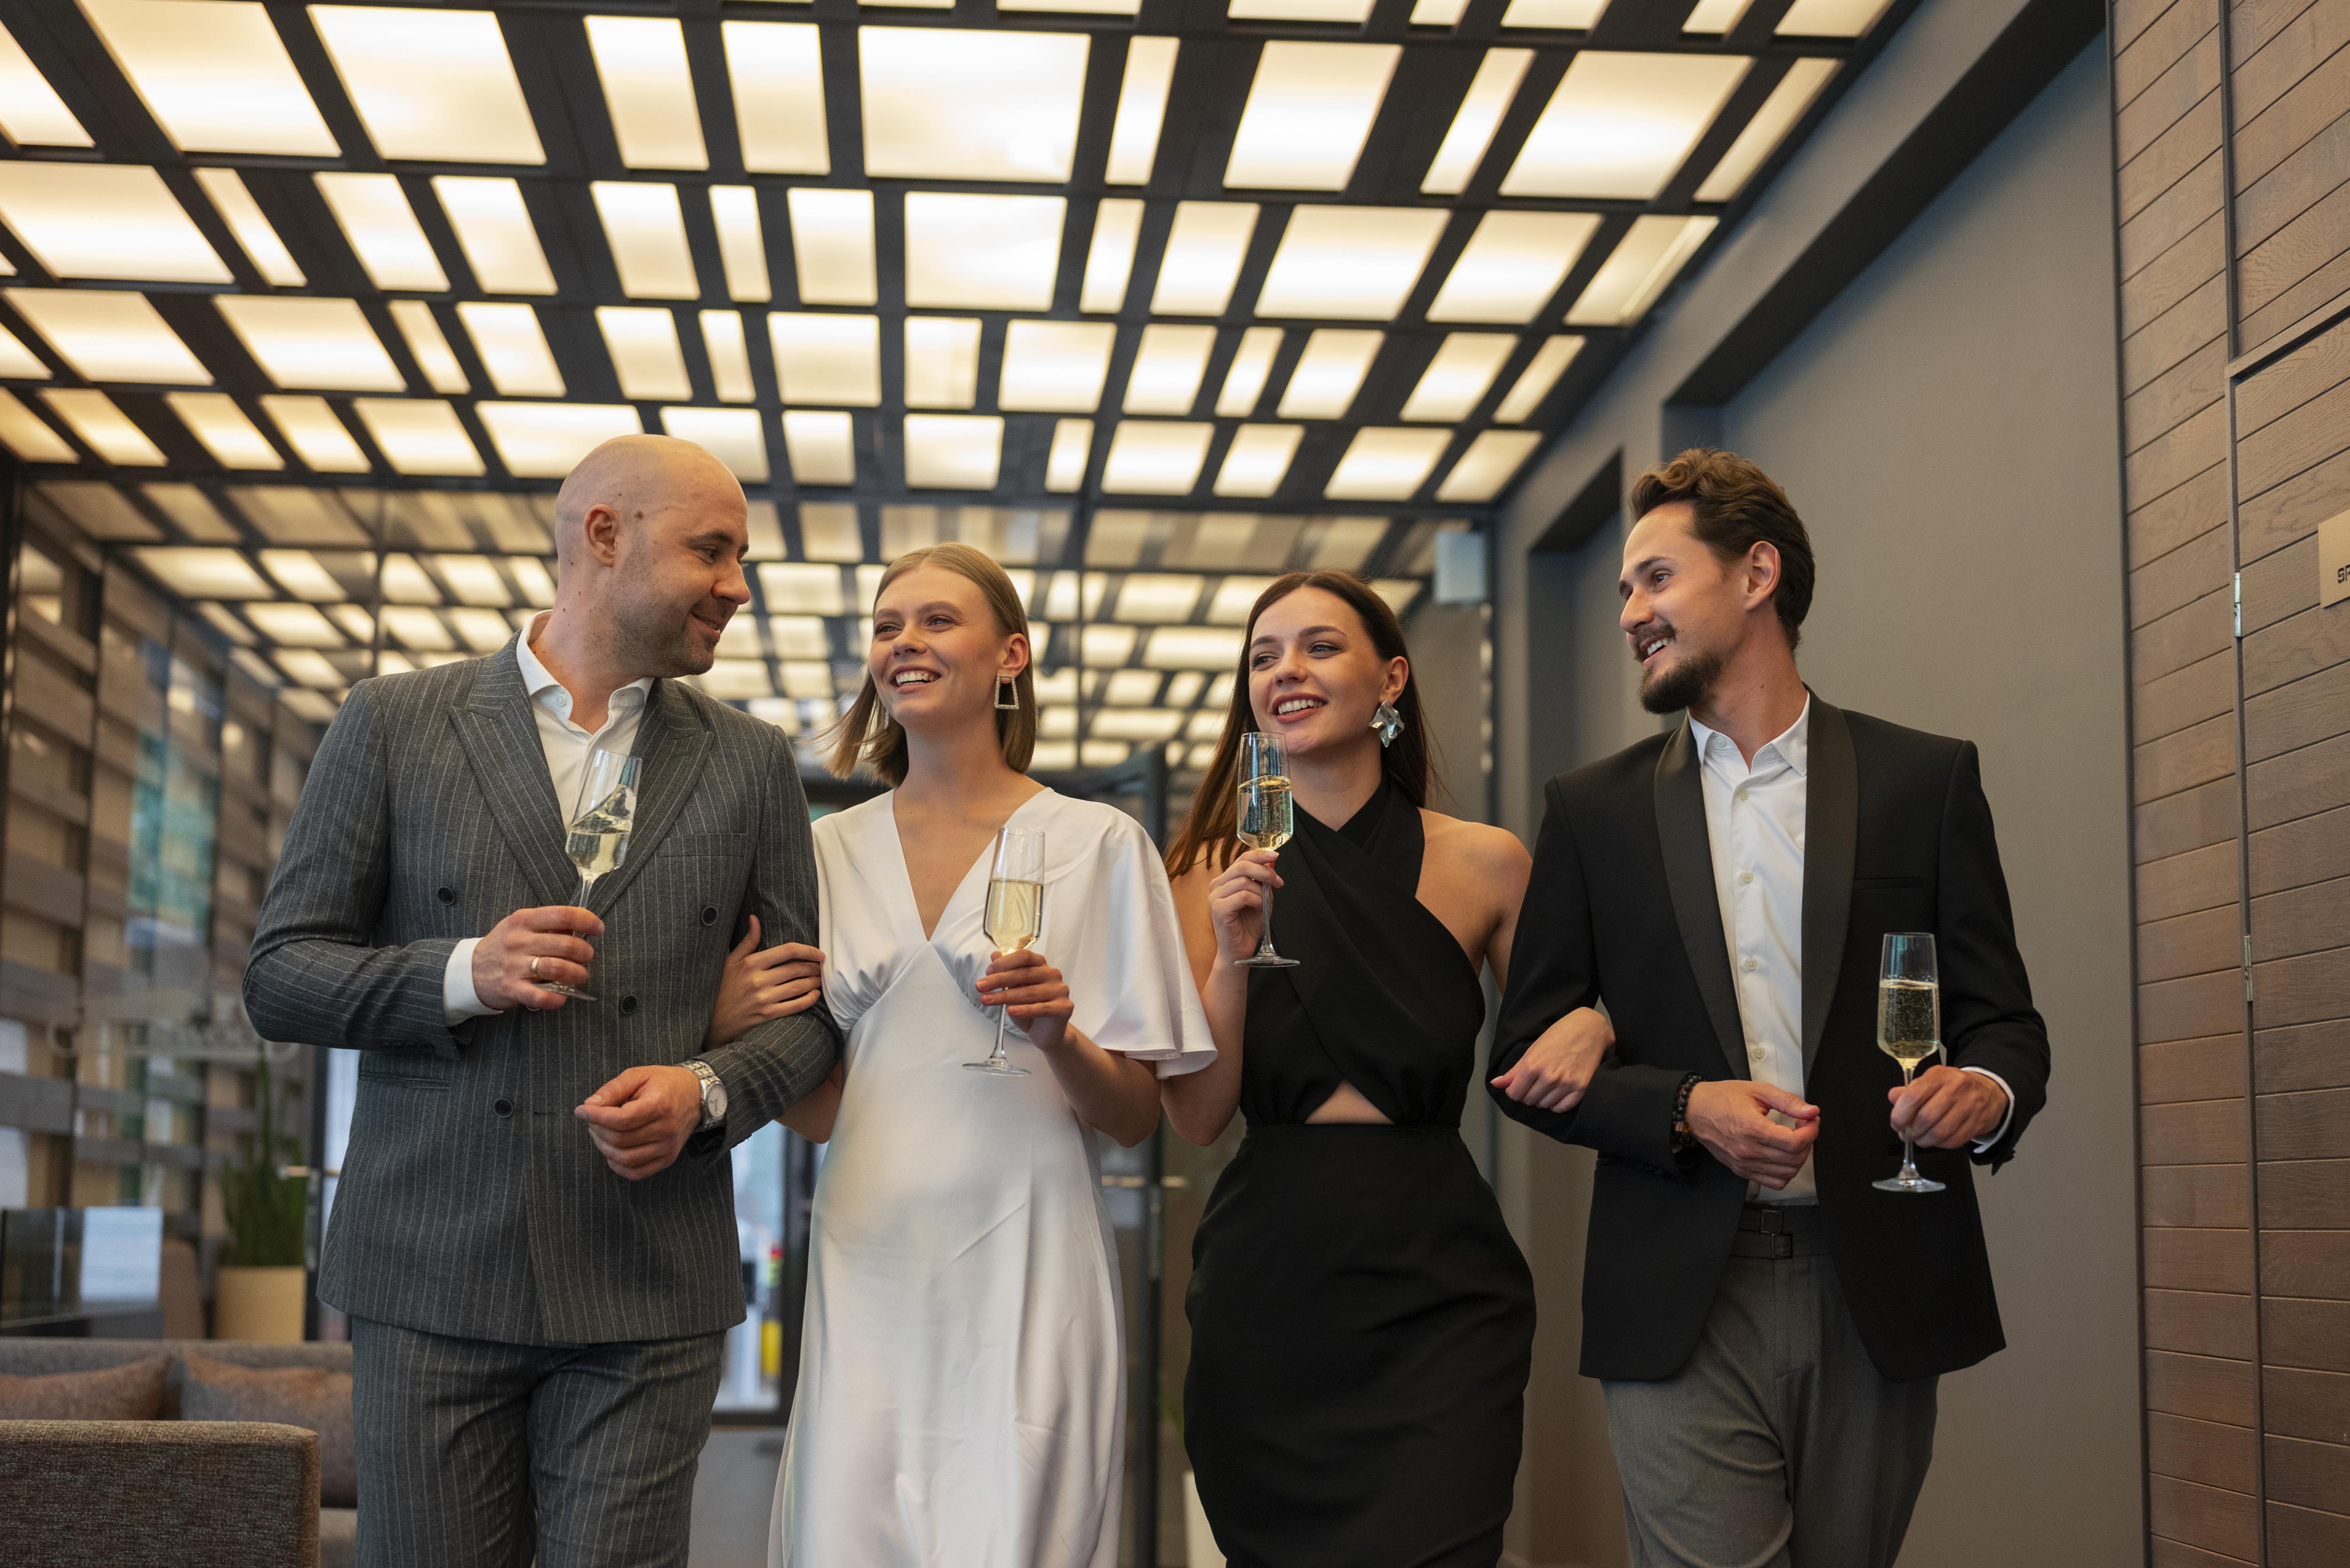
x=599 y=839
x=1014 y=918
x=1266 y=822
x=1908 y=1029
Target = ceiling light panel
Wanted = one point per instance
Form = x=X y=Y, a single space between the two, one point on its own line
x=473 y=579
x=1640 y=268
x=741 y=247
x=404 y=582
x=1490 y=461
x=1195 y=647
x=1349 y=264
x=777 y=72
x=418 y=436
x=1252 y=366
x=202 y=574
x=645 y=226
x=216 y=77
x=1558 y=15
x=434 y=85
x=1511 y=266
x=952 y=452
x=31 y=112
x=956 y=103
x=299 y=572
x=1309 y=111
x=822 y=446
x=1155 y=457
x=513 y=347
x=649 y=88
x=1071 y=449
x=1480 y=115
x=1054 y=366
x=234 y=441
x=1329 y=373
x=1205 y=247
x=646 y=355
x=312 y=669
x=1457 y=379
x=294 y=625
x=546 y=440
x=382 y=230
x=983 y=252
x=832 y=245
x=833 y=359
x=483 y=632
x=317 y=436
x=417 y=629
x=427 y=345
x=18 y=361
x=800 y=636
x=1234 y=597
x=733 y=436
x=1141 y=110
x=1154 y=599
x=107 y=335
x=104 y=427
x=730 y=358
x=26 y=434
x=1386 y=464
x=1621 y=123
x=1258 y=460
x=495 y=230
x=105 y=219
x=529 y=574
x=1831 y=18
x=1168 y=366
x=1541 y=374
x=941 y=363
x=1769 y=127
x=325 y=344
x=829 y=531
x=1109 y=256
x=802 y=588
x=1715 y=16
x=1352 y=11
x=254 y=231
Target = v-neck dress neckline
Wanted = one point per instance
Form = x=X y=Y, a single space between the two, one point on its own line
x=910 y=905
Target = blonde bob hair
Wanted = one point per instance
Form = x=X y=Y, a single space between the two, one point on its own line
x=868 y=737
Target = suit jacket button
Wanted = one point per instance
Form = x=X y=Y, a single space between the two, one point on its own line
x=505 y=1107
x=447 y=895
x=709 y=914
x=627 y=1005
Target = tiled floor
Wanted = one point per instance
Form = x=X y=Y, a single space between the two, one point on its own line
x=732 y=1495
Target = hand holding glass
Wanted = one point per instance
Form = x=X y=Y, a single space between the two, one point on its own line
x=1266 y=821
x=1908 y=1029
x=1014 y=918
x=599 y=839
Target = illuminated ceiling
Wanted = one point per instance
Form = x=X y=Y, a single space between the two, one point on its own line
x=309 y=306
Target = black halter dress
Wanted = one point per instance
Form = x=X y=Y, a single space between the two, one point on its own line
x=1361 y=1319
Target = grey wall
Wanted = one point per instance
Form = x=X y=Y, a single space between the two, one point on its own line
x=1948 y=429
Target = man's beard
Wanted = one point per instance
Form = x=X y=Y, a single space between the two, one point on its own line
x=1679 y=685
x=656 y=640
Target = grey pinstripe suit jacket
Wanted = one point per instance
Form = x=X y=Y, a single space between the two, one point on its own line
x=470 y=1201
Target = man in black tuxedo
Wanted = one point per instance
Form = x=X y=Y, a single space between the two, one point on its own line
x=1767 y=1325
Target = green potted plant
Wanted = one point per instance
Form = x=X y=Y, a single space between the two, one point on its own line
x=260 y=1289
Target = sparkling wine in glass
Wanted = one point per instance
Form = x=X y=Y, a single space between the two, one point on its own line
x=598 y=838
x=1267 y=820
x=1908 y=1029
x=1014 y=918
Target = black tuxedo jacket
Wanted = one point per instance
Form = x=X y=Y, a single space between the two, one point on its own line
x=1622 y=910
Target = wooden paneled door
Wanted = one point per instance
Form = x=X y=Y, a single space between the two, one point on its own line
x=2232 y=183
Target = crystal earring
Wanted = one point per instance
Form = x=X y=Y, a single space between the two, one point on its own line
x=1388 y=723
x=1007 y=695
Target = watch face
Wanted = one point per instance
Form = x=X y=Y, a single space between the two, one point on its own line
x=713 y=1100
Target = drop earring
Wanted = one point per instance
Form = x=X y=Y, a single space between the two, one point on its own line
x=1388 y=723
x=1007 y=695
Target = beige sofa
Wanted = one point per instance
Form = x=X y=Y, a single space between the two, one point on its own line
x=175 y=1491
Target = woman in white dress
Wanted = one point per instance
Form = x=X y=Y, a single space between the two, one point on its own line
x=962 y=1389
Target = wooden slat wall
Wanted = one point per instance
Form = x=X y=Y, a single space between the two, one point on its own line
x=2232 y=145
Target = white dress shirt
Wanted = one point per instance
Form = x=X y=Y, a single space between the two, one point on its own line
x=565 y=747
x=1755 y=815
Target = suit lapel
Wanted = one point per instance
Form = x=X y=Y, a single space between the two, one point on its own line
x=674 y=742
x=500 y=735
x=1689 y=875
x=1831 y=826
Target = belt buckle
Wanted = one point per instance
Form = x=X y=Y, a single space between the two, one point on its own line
x=1773 y=1222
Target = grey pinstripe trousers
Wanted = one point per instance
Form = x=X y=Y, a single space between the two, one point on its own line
x=476 y=1454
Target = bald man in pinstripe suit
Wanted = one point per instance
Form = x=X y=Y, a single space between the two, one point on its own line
x=534 y=1234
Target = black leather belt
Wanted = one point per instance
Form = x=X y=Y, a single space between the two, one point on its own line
x=1780 y=1230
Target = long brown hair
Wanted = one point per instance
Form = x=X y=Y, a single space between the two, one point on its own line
x=868 y=737
x=1208 y=830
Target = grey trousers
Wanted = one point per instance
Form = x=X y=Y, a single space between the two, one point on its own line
x=474 y=1454
x=1778 y=1444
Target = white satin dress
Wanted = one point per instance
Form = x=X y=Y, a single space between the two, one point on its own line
x=961 y=1400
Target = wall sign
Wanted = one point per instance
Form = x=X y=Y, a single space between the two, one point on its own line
x=2333 y=559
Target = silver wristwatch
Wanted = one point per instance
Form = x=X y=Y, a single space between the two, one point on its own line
x=713 y=1094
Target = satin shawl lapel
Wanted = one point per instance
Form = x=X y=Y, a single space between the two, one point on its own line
x=500 y=734
x=1831 y=826
x=674 y=742
x=1689 y=877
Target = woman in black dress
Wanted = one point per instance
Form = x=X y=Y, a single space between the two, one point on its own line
x=1361 y=1319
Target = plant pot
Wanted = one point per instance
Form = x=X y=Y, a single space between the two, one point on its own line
x=1199 y=1540
x=263 y=1305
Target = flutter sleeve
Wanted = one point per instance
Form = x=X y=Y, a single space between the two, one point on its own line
x=1110 y=928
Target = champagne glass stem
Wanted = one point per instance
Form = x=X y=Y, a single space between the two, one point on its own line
x=1264 y=930
x=1909 y=1149
x=1002 y=1022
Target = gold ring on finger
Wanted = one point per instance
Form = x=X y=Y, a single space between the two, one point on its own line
x=534 y=969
